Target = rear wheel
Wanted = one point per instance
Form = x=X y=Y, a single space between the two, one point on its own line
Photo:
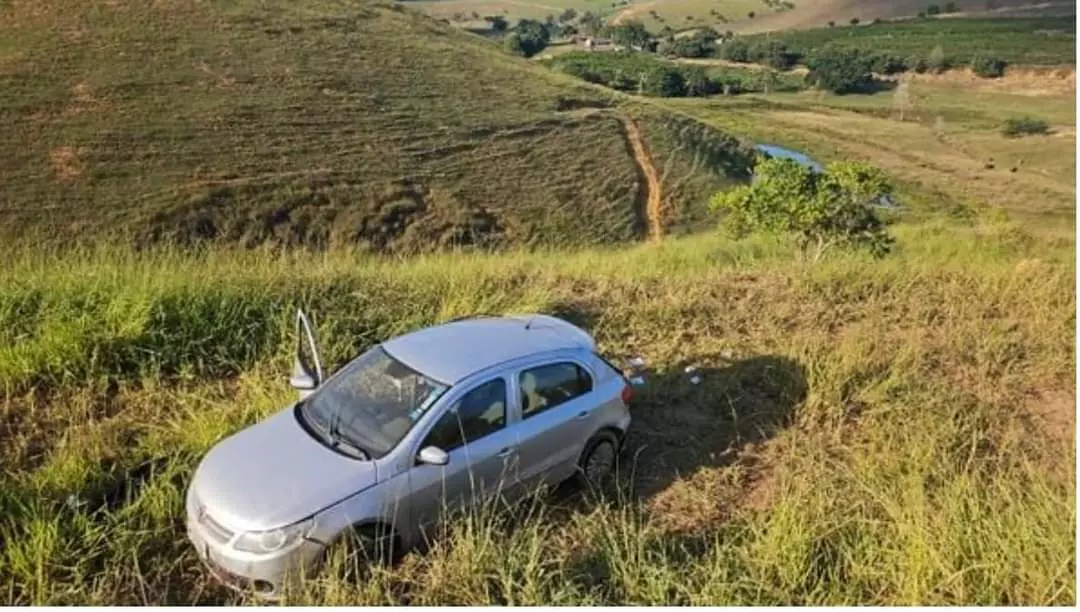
x=598 y=460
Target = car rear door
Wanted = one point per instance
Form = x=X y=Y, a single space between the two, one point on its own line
x=557 y=417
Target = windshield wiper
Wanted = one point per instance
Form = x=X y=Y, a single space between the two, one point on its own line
x=336 y=439
x=332 y=435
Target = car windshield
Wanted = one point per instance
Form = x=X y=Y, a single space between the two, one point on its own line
x=372 y=403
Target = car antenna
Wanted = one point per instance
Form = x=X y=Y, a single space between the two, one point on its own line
x=529 y=323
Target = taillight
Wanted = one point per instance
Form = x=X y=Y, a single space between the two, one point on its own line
x=627 y=394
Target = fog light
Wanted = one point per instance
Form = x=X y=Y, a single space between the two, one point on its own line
x=263 y=587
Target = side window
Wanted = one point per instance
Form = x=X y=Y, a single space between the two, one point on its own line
x=477 y=414
x=548 y=386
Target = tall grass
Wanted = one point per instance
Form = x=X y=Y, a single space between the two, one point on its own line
x=866 y=431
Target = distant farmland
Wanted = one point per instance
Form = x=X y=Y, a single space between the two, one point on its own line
x=1032 y=41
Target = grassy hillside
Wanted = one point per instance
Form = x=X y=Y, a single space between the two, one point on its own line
x=321 y=122
x=1030 y=41
x=868 y=431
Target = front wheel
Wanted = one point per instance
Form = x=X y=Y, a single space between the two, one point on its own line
x=598 y=460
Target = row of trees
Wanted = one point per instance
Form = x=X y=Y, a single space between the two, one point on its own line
x=531 y=36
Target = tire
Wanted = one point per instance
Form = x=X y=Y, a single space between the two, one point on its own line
x=598 y=460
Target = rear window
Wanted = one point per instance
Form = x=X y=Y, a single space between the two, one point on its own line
x=610 y=365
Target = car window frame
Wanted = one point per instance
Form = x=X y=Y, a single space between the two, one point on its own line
x=551 y=361
x=454 y=400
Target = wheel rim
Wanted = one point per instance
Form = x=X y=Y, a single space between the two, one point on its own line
x=600 y=461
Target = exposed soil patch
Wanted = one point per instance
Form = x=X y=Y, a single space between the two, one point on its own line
x=66 y=164
x=1053 y=413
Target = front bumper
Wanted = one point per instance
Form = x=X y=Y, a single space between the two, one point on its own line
x=265 y=575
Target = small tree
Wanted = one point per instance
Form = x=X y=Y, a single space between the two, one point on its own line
x=498 y=23
x=568 y=15
x=854 y=21
x=769 y=80
x=832 y=24
x=902 y=97
x=950 y=7
x=937 y=62
x=529 y=38
x=630 y=34
x=737 y=50
x=988 y=67
x=751 y=14
x=821 y=210
x=591 y=23
x=933 y=9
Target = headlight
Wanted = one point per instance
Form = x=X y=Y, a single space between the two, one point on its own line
x=265 y=542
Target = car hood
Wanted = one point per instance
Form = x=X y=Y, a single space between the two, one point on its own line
x=274 y=474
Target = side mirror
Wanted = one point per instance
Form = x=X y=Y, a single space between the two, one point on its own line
x=302 y=381
x=433 y=455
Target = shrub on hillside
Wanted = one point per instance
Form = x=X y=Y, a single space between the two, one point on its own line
x=1022 y=126
x=840 y=70
x=736 y=50
x=663 y=83
x=885 y=63
x=701 y=44
x=630 y=34
x=528 y=38
x=988 y=67
x=822 y=210
x=775 y=54
x=933 y=9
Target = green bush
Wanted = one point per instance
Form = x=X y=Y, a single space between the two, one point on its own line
x=775 y=54
x=1022 y=126
x=988 y=67
x=885 y=63
x=822 y=210
x=529 y=37
x=736 y=50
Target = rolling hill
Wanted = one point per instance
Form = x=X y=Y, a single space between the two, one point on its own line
x=328 y=122
x=772 y=16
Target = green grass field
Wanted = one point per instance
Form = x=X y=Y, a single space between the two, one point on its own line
x=1025 y=41
x=335 y=122
x=869 y=431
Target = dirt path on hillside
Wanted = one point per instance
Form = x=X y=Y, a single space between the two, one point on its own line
x=650 y=199
x=631 y=11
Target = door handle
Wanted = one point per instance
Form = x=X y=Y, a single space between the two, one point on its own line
x=584 y=414
x=506 y=452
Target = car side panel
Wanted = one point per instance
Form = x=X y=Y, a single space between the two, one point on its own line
x=474 y=473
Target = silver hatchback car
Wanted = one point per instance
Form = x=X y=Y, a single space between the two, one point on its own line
x=434 y=420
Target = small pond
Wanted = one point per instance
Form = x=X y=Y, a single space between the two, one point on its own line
x=806 y=161
x=782 y=153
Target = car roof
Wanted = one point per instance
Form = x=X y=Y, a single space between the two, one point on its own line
x=453 y=351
